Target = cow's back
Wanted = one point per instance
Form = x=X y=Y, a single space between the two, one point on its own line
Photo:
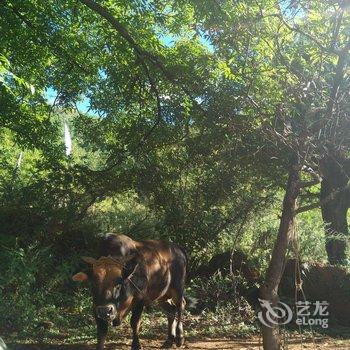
x=117 y=245
x=163 y=263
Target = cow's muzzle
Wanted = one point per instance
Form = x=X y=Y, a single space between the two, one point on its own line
x=106 y=312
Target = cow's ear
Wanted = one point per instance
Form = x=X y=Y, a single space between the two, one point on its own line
x=80 y=277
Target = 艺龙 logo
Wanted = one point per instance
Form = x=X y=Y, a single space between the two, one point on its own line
x=275 y=315
x=282 y=313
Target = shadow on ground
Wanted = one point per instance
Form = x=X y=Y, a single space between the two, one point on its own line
x=198 y=344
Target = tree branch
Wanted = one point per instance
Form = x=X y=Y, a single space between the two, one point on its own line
x=139 y=50
x=330 y=197
x=316 y=178
x=44 y=40
x=309 y=183
x=307 y=35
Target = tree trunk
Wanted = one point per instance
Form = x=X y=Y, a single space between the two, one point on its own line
x=334 y=211
x=269 y=290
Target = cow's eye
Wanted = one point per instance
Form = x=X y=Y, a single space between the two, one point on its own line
x=116 y=291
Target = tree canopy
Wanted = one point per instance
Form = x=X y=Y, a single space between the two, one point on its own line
x=193 y=108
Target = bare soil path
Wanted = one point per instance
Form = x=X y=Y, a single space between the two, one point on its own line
x=198 y=344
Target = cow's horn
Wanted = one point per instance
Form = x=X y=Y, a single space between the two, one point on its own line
x=89 y=260
x=110 y=260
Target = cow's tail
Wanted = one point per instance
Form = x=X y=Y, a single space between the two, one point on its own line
x=183 y=250
x=191 y=302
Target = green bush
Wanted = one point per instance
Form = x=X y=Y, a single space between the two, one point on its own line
x=221 y=309
x=20 y=299
x=34 y=286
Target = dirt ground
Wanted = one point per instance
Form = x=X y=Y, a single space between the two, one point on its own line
x=202 y=344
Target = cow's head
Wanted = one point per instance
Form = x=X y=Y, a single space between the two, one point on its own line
x=115 y=282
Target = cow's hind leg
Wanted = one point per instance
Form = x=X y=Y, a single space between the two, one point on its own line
x=135 y=323
x=170 y=311
x=180 y=307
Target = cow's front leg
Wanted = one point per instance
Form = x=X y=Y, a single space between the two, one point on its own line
x=102 y=328
x=135 y=323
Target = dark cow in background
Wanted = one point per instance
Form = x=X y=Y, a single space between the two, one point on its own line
x=131 y=274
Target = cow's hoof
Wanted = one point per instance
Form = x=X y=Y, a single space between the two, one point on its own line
x=136 y=346
x=180 y=341
x=167 y=344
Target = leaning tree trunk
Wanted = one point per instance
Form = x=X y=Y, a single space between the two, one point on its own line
x=269 y=290
x=335 y=201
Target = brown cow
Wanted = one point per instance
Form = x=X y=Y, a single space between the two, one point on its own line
x=131 y=274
